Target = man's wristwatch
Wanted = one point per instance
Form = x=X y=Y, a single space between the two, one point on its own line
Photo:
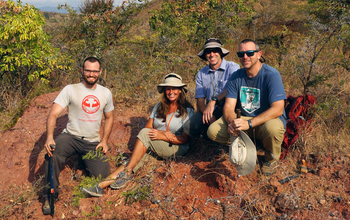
x=250 y=124
x=216 y=100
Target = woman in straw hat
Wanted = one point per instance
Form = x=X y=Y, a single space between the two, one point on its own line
x=162 y=134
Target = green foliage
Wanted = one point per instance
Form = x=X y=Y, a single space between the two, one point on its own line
x=195 y=21
x=96 y=6
x=26 y=54
x=310 y=57
x=85 y=182
x=95 y=31
x=95 y=154
x=119 y=159
x=23 y=43
x=334 y=16
x=328 y=10
x=138 y=193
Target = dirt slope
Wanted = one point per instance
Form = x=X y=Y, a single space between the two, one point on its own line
x=201 y=185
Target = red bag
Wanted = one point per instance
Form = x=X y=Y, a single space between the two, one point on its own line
x=297 y=109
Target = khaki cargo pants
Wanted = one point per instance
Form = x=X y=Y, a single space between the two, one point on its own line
x=269 y=133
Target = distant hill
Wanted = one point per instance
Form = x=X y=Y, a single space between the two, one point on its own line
x=54 y=9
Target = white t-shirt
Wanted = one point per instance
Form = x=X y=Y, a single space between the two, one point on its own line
x=85 y=109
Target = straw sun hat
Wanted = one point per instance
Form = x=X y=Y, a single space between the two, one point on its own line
x=173 y=80
x=213 y=43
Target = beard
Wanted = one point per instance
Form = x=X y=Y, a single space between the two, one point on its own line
x=90 y=82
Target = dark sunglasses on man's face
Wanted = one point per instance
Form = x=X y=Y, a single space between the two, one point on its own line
x=208 y=51
x=249 y=53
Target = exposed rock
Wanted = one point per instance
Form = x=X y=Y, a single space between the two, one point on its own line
x=285 y=202
x=322 y=201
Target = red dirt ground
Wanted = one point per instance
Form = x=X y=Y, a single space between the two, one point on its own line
x=202 y=185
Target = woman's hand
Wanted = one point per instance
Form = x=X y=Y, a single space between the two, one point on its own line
x=153 y=134
x=170 y=136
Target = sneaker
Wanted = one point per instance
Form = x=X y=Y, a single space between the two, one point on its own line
x=46 y=208
x=121 y=180
x=95 y=190
x=269 y=168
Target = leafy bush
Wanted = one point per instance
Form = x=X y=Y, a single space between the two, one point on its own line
x=195 y=21
x=95 y=31
x=26 y=55
x=85 y=182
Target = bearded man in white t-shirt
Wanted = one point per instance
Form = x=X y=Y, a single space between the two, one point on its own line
x=87 y=103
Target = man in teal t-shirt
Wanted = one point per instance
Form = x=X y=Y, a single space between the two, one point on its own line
x=257 y=91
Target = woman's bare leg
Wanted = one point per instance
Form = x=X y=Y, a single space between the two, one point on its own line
x=136 y=156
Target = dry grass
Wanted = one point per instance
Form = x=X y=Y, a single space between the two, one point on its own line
x=20 y=200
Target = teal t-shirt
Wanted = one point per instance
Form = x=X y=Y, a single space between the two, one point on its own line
x=255 y=95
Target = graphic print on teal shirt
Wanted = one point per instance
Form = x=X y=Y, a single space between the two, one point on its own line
x=250 y=99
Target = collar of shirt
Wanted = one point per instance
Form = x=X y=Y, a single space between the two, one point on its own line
x=222 y=67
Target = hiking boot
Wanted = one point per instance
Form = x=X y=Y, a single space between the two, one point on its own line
x=269 y=168
x=46 y=208
x=121 y=180
x=95 y=190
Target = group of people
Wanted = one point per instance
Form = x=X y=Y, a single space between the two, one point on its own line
x=222 y=87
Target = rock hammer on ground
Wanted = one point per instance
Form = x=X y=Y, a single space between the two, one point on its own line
x=303 y=169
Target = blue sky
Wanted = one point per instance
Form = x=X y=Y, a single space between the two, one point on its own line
x=54 y=3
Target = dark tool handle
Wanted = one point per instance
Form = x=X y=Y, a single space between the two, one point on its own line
x=238 y=113
x=52 y=191
x=289 y=178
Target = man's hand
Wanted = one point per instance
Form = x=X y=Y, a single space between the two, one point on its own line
x=48 y=148
x=237 y=124
x=212 y=120
x=208 y=113
x=104 y=146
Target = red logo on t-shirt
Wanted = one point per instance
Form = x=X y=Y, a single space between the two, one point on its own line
x=90 y=104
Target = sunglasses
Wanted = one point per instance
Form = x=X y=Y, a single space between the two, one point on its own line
x=249 y=53
x=215 y=50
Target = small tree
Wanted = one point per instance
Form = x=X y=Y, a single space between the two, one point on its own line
x=96 y=6
x=97 y=30
x=328 y=20
x=196 y=21
x=25 y=51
